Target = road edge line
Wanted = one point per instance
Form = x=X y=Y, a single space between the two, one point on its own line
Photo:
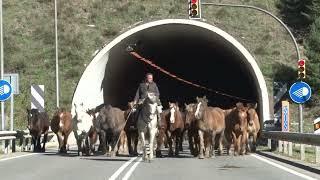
x=283 y=167
x=133 y=167
x=122 y=168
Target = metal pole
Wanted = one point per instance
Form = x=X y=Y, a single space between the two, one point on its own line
x=1 y=59
x=288 y=30
x=11 y=113
x=57 y=62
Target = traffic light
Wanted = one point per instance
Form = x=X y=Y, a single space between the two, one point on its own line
x=301 y=69
x=194 y=9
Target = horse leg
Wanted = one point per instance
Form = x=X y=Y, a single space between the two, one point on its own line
x=243 y=143
x=210 y=148
x=181 y=140
x=103 y=143
x=34 y=142
x=38 y=143
x=129 y=136
x=200 y=132
x=220 y=143
x=136 y=141
x=235 y=144
x=190 y=139
x=159 y=143
x=178 y=139
x=143 y=141
x=65 y=142
x=59 y=136
x=153 y=132
x=170 y=141
x=45 y=138
x=254 y=143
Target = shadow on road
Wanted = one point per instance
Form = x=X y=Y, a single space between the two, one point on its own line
x=298 y=165
x=105 y=159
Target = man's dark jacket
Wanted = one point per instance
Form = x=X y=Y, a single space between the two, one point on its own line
x=144 y=88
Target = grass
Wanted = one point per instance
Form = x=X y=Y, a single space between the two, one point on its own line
x=29 y=39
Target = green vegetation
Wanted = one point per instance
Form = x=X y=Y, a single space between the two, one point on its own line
x=29 y=39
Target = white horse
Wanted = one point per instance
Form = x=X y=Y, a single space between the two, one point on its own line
x=147 y=123
x=82 y=123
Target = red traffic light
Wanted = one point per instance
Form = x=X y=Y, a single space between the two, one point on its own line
x=194 y=1
x=301 y=62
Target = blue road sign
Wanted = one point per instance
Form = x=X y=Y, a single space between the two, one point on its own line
x=5 y=90
x=300 y=92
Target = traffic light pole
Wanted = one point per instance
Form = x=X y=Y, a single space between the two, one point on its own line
x=295 y=44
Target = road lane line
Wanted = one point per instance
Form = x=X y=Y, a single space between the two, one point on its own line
x=134 y=166
x=284 y=168
x=117 y=173
x=16 y=157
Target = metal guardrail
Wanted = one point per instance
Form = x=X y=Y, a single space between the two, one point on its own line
x=22 y=135
x=300 y=138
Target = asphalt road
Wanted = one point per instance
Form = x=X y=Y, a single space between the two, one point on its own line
x=51 y=165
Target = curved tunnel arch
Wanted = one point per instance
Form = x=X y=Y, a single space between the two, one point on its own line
x=106 y=78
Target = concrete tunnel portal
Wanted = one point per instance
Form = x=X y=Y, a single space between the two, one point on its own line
x=192 y=50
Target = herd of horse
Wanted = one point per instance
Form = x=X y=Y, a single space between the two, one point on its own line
x=114 y=130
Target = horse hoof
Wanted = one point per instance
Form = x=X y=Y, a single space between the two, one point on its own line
x=201 y=157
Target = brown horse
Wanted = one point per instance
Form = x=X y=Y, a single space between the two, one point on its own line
x=236 y=128
x=210 y=121
x=38 y=123
x=191 y=127
x=253 y=126
x=61 y=125
x=173 y=121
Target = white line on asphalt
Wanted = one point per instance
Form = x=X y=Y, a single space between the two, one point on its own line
x=16 y=157
x=284 y=168
x=134 y=166
x=117 y=173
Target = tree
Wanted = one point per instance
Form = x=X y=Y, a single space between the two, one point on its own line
x=299 y=14
x=313 y=63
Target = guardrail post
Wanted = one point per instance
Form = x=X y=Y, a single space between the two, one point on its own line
x=290 y=148
x=285 y=147
x=302 y=152
x=317 y=154
x=269 y=144
x=280 y=146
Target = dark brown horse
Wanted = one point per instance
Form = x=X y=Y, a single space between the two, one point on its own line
x=173 y=121
x=191 y=126
x=253 y=127
x=61 y=125
x=236 y=128
x=38 y=123
x=131 y=130
x=210 y=121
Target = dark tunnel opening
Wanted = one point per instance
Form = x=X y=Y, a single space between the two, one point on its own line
x=190 y=52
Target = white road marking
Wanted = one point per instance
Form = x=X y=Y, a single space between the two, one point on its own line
x=134 y=166
x=16 y=157
x=283 y=168
x=117 y=173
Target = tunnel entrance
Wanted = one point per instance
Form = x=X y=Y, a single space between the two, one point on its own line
x=192 y=50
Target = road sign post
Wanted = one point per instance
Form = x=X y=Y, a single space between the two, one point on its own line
x=285 y=125
x=300 y=92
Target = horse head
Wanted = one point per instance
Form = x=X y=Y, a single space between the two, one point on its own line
x=190 y=111
x=241 y=116
x=252 y=113
x=32 y=117
x=174 y=108
x=151 y=98
x=202 y=104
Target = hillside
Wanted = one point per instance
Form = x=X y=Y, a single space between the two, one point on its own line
x=29 y=38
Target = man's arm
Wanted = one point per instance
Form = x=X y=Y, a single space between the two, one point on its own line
x=136 y=98
x=157 y=91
